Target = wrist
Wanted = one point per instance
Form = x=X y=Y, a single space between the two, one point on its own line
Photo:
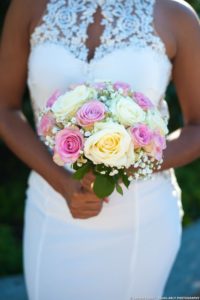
x=60 y=178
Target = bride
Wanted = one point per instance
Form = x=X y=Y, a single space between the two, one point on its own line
x=77 y=246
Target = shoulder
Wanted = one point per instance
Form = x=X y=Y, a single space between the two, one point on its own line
x=21 y=7
x=180 y=14
x=25 y=12
x=180 y=21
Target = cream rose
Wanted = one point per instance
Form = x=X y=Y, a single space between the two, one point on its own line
x=126 y=111
x=111 y=145
x=155 y=121
x=67 y=104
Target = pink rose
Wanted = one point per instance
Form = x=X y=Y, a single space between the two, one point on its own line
x=144 y=102
x=46 y=124
x=91 y=112
x=68 y=144
x=53 y=99
x=141 y=135
x=125 y=87
x=157 y=146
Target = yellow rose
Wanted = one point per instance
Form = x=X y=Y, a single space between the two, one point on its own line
x=111 y=145
x=66 y=105
x=127 y=111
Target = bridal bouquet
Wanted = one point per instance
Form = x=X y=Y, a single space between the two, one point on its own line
x=106 y=128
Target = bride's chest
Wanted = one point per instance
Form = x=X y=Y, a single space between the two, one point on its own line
x=52 y=67
x=128 y=48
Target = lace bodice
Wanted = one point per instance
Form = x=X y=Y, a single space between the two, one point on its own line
x=130 y=50
x=126 y=23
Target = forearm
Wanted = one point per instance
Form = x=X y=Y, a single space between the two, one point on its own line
x=183 y=146
x=21 y=139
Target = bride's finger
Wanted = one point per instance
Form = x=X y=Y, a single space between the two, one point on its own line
x=87 y=186
x=106 y=200
x=89 y=176
x=87 y=179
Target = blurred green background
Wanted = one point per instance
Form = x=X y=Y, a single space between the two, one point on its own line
x=13 y=178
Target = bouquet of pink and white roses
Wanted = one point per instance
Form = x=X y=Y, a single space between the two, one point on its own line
x=106 y=128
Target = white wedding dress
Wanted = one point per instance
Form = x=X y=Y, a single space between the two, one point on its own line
x=128 y=250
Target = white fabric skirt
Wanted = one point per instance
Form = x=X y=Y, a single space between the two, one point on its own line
x=125 y=252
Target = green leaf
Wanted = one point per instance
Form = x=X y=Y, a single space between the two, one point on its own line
x=80 y=173
x=125 y=180
x=103 y=186
x=75 y=166
x=100 y=167
x=119 y=189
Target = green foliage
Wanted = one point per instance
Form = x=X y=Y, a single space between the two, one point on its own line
x=10 y=251
x=188 y=178
x=104 y=186
x=119 y=189
x=13 y=178
x=3 y=8
x=81 y=171
x=195 y=4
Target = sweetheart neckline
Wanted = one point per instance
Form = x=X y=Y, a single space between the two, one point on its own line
x=95 y=60
x=94 y=57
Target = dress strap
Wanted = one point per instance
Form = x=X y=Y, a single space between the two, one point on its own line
x=146 y=11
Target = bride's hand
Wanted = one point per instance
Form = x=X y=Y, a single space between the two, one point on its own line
x=88 y=181
x=83 y=204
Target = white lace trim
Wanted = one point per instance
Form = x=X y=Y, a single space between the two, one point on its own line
x=126 y=23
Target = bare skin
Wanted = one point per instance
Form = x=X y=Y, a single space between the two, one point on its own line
x=178 y=26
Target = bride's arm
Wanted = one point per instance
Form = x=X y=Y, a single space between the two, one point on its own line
x=184 y=144
x=14 y=128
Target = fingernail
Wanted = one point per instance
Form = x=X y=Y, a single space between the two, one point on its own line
x=106 y=200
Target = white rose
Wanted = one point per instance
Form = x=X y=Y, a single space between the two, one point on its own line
x=127 y=111
x=66 y=105
x=155 y=121
x=111 y=145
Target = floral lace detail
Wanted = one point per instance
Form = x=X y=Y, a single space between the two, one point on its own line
x=126 y=23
